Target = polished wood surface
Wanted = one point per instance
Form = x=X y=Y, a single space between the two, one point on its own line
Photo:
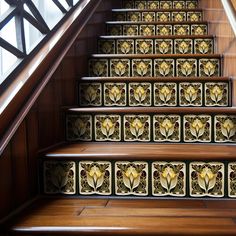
x=142 y=151
x=126 y=217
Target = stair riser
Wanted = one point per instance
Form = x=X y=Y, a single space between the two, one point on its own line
x=154 y=94
x=167 y=67
x=159 y=128
x=160 y=4
x=160 y=29
x=156 y=46
x=181 y=179
x=163 y=16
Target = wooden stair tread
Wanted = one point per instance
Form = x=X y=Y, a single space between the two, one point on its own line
x=142 y=151
x=105 y=219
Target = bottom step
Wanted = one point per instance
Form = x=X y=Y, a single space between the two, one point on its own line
x=52 y=216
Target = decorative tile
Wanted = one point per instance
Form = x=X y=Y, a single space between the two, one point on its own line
x=183 y=46
x=163 y=46
x=164 y=67
x=95 y=178
x=120 y=67
x=147 y=30
x=199 y=29
x=191 y=4
x=98 y=67
x=232 y=179
x=141 y=67
x=125 y=46
x=130 y=30
x=144 y=46
x=165 y=94
x=186 y=67
x=140 y=4
x=181 y=29
x=153 y=5
x=190 y=94
x=164 y=30
x=194 y=16
x=206 y=179
x=179 y=16
x=166 y=128
x=209 y=67
x=225 y=128
x=114 y=30
x=59 y=177
x=79 y=127
x=128 y=4
x=107 y=128
x=131 y=178
x=197 y=128
x=165 y=4
x=148 y=16
x=216 y=94
x=203 y=46
x=168 y=179
x=140 y=94
x=106 y=46
x=115 y=94
x=137 y=128
x=163 y=16
x=119 y=16
x=90 y=94
x=178 y=4
x=134 y=16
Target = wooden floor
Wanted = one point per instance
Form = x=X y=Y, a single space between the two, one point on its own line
x=127 y=217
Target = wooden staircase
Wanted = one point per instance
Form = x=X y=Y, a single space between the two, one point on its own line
x=151 y=146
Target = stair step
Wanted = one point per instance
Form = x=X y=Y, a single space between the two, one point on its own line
x=134 y=217
x=156 y=45
x=168 y=65
x=157 y=28
x=157 y=15
x=153 y=91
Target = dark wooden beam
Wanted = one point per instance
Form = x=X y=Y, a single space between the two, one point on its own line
x=59 y=5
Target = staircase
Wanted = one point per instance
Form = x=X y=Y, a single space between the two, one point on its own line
x=154 y=117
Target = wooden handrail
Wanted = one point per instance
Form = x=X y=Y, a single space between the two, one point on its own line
x=27 y=84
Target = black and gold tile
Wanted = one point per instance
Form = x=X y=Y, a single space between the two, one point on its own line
x=232 y=180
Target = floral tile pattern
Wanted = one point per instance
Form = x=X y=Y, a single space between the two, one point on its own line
x=186 y=67
x=107 y=128
x=131 y=178
x=163 y=16
x=165 y=94
x=165 y=5
x=166 y=128
x=98 y=67
x=79 y=127
x=125 y=46
x=209 y=67
x=115 y=94
x=137 y=128
x=164 y=30
x=163 y=46
x=59 y=177
x=95 y=178
x=119 y=67
x=140 y=4
x=178 y=4
x=204 y=46
x=153 y=5
x=106 y=46
x=144 y=46
x=140 y=94
x=232 y=179
x=90 y=94
x=141 y=67
x=114 y=29
x=206 y=179
x=225 y=128
x=130 y=30
x=147 y=30
x=181 y=30
x=197 y=128
x=148 y=16
x=133 y=16
x=216 y=94
x=168 y=179
x=199 y=29
x=178 y=16
x=190 y=94
x=164 y=67
x=183 y=46
x=194 y=16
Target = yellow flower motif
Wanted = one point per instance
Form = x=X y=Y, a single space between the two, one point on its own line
x=80 y=127
x=163 y=47
x=181 y=31
x=164 y=31
x=148 y=18
x=147 y=31
x=131 y=31
x=166 y=6
x=95 y=177
x=191 y=5
x=178 y=17
x=197 y=128
x=203 y=47
x=140 y=94
x=134 y=17
x=228 y=128
x=144 y=47
x=209 y=68
x=106 y=47
x=141 y=6
x=167 y=128
x=125 y=47
x=115 y=94
x=137 y=128
x=194 y=17
x=183 y=47
x=164 y=68
x=120 y=68
x=206 y=179
x=216 y=93
x=163 y=17
x=168 y=178
x=142 y=68
x=165 y=94
x=191 y=94
x=90 y=94
x=131 y=178
x=98 y=68
x=107 y=127
x=198 y=31
x=178 y=6
x=153 y=6
x=186 y=68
